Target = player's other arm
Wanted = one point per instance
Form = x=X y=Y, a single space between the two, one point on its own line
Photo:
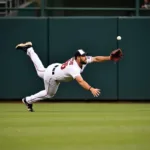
x=86 y=86
x=100 y=58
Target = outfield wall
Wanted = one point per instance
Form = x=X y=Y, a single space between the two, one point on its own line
x=56 y=39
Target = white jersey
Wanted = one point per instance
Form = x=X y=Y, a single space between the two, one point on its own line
x=69 y=70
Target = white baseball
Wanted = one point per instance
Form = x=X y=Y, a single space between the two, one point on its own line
x=118 y=37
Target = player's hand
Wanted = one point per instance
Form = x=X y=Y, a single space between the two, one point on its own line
x=95 y=92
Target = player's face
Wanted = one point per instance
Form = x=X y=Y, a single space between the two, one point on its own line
x=83 y=59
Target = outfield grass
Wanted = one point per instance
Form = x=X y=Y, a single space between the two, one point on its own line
x=75 y=127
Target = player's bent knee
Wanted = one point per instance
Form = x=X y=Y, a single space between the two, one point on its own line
x=49 y=96
x=40 y=74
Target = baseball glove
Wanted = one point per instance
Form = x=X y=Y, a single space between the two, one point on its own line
x=116 y=55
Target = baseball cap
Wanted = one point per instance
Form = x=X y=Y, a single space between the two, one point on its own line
x=80 y=52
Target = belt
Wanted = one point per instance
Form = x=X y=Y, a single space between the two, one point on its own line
x=53 y=71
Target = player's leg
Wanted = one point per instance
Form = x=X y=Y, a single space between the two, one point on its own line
x=51 y=88
x=27 y=47
x=29 y=100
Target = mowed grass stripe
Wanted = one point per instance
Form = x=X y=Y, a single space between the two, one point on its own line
x=75 y=126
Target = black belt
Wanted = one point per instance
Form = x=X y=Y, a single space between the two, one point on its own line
x=53 y=71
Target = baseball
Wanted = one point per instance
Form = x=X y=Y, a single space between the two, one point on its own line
x=118 y=37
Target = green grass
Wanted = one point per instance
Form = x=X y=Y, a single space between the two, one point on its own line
x=62 y=126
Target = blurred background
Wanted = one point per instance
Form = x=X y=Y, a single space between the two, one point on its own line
x=75 y=8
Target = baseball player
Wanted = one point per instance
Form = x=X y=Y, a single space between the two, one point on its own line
x=56 y=73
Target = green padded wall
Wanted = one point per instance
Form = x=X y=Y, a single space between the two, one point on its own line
x=18 y=77
x=56 y=40
x=134 y=72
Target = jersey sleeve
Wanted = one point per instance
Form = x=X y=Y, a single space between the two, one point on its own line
x=89 y=59
x=74 y=72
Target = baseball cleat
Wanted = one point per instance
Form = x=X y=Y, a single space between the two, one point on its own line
x=29 y=106
x=24 y=46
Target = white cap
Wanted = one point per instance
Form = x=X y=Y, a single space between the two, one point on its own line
x=80 y=52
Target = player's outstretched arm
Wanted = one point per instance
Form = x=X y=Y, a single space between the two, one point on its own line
x=115 y=55
x=86 y=86
x=100 y=58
